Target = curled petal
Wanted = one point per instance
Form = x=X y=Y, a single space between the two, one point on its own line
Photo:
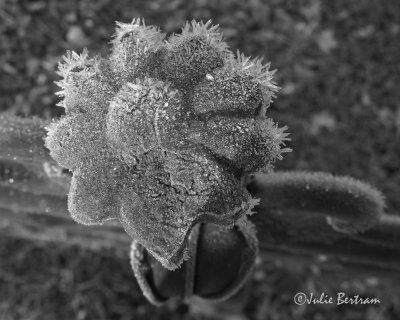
x=93 y=196
x=75 y=138
x=246 y=145
x=162 y=206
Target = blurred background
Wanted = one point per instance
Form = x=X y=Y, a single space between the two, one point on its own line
x=339 y=71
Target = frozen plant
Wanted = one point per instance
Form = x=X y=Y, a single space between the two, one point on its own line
x=160 y=133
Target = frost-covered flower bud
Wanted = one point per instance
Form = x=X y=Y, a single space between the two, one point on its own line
x=159 y=134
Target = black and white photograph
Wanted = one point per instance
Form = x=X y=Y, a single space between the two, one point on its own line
x=199 y=160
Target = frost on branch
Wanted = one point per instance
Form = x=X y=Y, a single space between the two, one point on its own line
x=159 y=134
x=349 y=205
x=21 y=139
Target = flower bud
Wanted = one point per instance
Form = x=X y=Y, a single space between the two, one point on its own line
x=219 y=262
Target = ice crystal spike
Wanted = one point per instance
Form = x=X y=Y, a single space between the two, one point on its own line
x=159 y=133
x=189 y=56
x=134 y=45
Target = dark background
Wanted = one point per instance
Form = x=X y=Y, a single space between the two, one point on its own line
x=339 y=69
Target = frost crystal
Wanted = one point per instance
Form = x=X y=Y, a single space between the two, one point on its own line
x=159 y=134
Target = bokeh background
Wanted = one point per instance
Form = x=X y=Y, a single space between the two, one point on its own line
x=339 y=71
